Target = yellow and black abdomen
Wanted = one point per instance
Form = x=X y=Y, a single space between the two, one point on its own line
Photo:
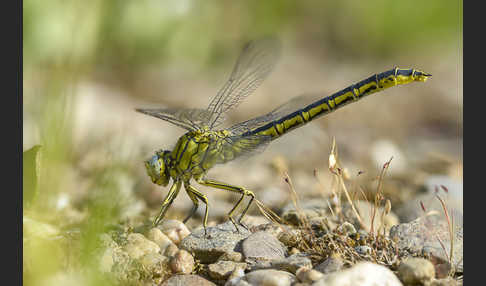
x=330 y=103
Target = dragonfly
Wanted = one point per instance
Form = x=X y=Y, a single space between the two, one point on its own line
x=206 y=144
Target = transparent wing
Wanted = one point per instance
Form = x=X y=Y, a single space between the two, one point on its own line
x=234 y=147
x=254 y=64
x=190 y=119
x=241 y=145
x=290 y=106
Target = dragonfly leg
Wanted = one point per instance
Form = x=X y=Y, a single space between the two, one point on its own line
x=195 y=202
x=174 y=190
x=193 y=193
x=244 y=192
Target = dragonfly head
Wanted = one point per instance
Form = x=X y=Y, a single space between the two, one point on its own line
x=157 y=170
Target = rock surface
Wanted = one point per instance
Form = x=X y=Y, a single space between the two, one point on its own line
x=188 y=279
x=137 y=246
x=269 y=277
x=262 y=246
x=420 y=236
x=331 y=264
x=416 y=271
x=221 y=240
x=182 y=262
x=363 y=274
x=175 y=230
x=222 y=270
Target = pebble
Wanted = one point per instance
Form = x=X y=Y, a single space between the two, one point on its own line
x=416 y=271
x=182 y=262
x=175 y=230
x=254 y=221
x=363 y=249
x=221 y=240
x=159 y=238
x=222 y=270
x=137 y=246
x=187 y=279
x=157 y=265
x=331 y=264
x=171 y=250
x=420 y=237
x=269 y=277
x=292 y=263
x=308 y=275
x=449 y=281
x=363 y=274
x=235 y=277
x=262 y=246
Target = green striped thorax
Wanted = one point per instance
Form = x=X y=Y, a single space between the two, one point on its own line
x=157 y=168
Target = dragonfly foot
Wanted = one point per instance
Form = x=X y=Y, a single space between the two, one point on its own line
x=244 y=225
x=235 y=224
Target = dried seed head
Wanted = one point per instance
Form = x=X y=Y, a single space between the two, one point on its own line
x=387 y=207
x=422 y=206
x=332 y=161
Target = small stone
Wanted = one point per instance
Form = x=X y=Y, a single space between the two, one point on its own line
x=232 y=256
x=308 y=275
x=156 y=264
x=262 y=246
x=416 y=271
x=292 y=263
x=150 y=259
x=269 y=277
x=159 y=238
x=294 y=250
x=187 y=279
x=363 y=274
x=175 y=230
x=448 y=281
x=171 y=250
x=221 y=239
x=221 y=270
x=421 y=236
x=331 y=264
x=182 y=262
x=235 y=277
x=137 y=245
x=346 y=228
x=363 y=249
x=308 y=209
x=254 y=221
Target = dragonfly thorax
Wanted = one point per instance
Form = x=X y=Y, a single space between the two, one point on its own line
x=157 y=168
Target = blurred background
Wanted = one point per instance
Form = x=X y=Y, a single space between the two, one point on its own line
x=89 y=64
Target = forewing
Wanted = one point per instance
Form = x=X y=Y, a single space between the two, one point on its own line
x=190 y=119
x=254 y=64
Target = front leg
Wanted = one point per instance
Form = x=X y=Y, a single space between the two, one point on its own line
x=195 y=203
x=193 y=193
x=174 y=190
x=244 y=192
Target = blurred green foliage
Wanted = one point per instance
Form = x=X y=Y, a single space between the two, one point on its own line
x=129 y=34
x=31 y=162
